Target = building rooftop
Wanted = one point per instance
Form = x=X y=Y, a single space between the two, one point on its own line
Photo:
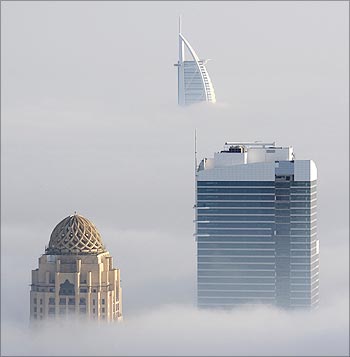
x=242 y=153
x=75 y=235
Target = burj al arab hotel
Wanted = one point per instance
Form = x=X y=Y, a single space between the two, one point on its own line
x=194 y=84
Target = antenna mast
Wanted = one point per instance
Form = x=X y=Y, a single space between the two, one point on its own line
x=180 y=68
x=195 y=151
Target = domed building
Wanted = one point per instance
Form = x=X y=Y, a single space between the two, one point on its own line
x=76 y=275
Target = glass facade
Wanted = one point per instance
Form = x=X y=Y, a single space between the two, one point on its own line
x=194 y=84
x=304 y=249
x=256 y=242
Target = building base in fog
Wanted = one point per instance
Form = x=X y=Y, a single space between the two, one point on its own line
x=256 y=228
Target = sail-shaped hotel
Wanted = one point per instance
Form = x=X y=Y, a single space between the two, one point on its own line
x=194 y=84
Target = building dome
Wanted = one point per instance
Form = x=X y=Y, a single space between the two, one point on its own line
x=75 y=235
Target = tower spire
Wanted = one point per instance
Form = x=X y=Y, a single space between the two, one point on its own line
x=179 y=24
x=195 y=151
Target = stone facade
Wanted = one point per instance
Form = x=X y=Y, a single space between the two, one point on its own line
x=80 y=283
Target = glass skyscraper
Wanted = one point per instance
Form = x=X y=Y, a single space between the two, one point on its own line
x=256 y=228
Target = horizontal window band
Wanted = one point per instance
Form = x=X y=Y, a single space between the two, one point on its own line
x=303 y=190
x=305 y=240
x=235 y=197
x=236 y=259
x=228 y=252
x=235 y=238
x=235 y=274
x=235 y=287
x=232 y=235
x=307 y=210
x=234 y=244
x=294 y=204
x=235 y=225
x=269 y=247
x=236 y=293
x=237 y=246
x=303 y=183
x=235 y=204
x=233 y=231
x=295 y=285
x=237 y=270
x=237 y=280
x=236 y=265
x=237 y=190
x=238 y=210
x=235 y=218
x=301 y=223
x=235 y=183
x=241 y=200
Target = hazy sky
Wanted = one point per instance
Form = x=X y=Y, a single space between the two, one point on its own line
x=90 y=123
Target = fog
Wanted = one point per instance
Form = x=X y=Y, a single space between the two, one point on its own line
x=90 y=123
x=249 y=331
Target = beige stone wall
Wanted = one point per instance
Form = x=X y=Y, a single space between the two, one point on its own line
x=96 y=294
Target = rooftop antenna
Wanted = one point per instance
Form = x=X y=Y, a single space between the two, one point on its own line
x=195 y=151
x=180 y=67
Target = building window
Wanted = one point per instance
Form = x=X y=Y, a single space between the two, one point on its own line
x=51 y=301
x=103 y=309
x=71 y=301
x=103 y=301
x=62 y=301
x=35 y=301
x=83 y=290
x=93 y=310
x=66 y=288
x=82 y=301
x=41 y=310
x=93 y=302
x=35 y=309
x=82 y=310
x=35 y=316
x=41 y=301
x=51 y=310
x=62 y=310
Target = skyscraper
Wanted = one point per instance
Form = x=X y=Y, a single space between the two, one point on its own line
x=76 y=275
x=256 y=228
x=194 y=84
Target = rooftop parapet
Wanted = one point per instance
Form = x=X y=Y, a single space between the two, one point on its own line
x=240 y=153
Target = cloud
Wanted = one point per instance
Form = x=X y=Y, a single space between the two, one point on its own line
x=158 y=280
x=184 y=330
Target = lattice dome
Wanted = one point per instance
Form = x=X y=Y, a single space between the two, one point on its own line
x=74 y=235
